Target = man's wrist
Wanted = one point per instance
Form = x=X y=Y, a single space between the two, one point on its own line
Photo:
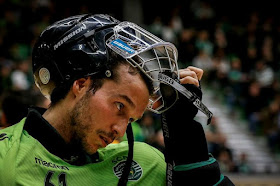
x=191 y=146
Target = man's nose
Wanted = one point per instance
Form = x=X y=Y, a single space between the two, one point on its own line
x=120 y=127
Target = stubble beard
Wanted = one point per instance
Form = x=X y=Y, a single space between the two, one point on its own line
x=81 y=124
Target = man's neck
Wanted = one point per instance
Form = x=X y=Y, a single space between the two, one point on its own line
x=58 y=117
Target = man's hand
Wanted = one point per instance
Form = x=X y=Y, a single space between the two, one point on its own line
x=186 y=139
x=185 y=142
x=189 y=78
x=190 y=75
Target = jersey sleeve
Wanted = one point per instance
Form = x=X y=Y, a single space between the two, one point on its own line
x=201 y=173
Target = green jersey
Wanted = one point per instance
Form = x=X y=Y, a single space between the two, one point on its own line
x=25 y=160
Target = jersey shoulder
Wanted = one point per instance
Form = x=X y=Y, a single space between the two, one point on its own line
x=10 y=135
x=9 y=143
x=140 y=149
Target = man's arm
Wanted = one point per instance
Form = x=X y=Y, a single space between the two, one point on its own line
x=186 y=146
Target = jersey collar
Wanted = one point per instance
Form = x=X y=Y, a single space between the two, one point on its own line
x=47 y=135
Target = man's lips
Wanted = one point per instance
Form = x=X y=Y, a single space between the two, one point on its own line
x=105 y=140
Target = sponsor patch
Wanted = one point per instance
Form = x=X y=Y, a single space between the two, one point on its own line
x=44 y=163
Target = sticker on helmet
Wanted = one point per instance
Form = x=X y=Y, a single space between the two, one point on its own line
x=44 y=75
x=123 y=46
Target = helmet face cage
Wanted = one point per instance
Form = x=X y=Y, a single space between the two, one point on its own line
x=148 y=53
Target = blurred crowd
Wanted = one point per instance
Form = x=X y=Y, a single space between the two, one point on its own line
x=239 y=55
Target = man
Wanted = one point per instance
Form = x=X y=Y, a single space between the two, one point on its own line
x=100 y=75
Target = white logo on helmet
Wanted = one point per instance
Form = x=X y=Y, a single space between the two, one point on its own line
x=122 y=45
x=69 y=36
x=44 y=75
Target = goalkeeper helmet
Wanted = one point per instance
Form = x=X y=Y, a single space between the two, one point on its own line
x=80 y=46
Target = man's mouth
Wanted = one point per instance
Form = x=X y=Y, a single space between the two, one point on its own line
x=105 y=140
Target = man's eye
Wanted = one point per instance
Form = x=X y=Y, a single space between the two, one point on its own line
x=119 y=106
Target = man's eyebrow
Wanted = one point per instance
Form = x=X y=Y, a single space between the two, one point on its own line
x=127 y=99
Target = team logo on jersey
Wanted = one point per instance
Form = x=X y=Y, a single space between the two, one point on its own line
x=135 y=171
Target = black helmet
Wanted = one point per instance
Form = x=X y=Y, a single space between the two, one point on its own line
x=71 y=48
x=81 y=46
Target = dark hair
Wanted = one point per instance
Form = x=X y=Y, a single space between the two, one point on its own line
x=114 y=61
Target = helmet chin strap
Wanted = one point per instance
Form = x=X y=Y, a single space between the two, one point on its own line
x=125 y=173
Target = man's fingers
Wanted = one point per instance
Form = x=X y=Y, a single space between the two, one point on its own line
x=190 y=75
x=189 y=80
x=186 y=72
x=198 y=71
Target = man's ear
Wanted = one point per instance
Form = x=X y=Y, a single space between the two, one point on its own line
x=80 y=86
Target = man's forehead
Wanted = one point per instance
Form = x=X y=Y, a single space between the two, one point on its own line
x=127 y=99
